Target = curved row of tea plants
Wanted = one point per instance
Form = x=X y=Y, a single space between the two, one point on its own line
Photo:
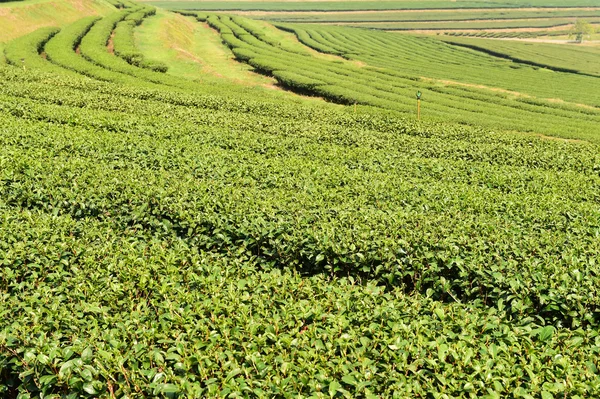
x=61 y=50
x=124 y=45
x=82 y=48
x=413 y=56
x=25 y=51
x=93 y=47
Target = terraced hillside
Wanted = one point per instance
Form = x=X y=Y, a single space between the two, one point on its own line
x=162 y=236
x=384 y=70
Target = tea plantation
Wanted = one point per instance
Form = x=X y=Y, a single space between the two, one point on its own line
x=168 y=237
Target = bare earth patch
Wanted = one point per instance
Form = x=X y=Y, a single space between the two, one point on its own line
x=110 y=46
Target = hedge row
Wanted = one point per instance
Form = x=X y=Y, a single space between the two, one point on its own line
x=124 y=45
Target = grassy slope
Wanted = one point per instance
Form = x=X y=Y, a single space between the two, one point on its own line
x=195 y=51
x=20 y=18
x=191 y=50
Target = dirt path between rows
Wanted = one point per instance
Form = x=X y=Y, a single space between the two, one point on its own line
x=110 y=45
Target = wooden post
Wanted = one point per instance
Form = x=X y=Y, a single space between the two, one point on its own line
x=419 y=105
